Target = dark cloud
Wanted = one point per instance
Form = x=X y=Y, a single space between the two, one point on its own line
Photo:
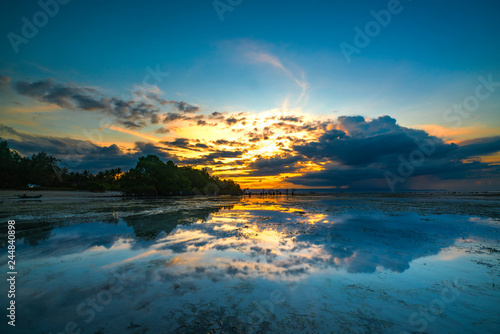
x=227 y=142
x=273 y=166
x=360 y=153
x=360 y=142
x=155 y=119
x=132 y=114
x=178 y=143
x=291 y=119
x=201 y=145
x=214 y=157
x=162 y=130
x=231 y=121
x=292 y=128
x=174 y=116
x=186 y=144
x=216 y=116
x=81 y=154
x=224 y=154
x=185 y=107
x=476 y=147
x=171 y=117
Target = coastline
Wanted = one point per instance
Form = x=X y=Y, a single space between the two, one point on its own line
x=59 y=194
x=74 y=194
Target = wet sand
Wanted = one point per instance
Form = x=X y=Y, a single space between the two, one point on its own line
x=351 y=263
x=58 y=194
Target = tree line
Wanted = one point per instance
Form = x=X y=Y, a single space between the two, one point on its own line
x=150 y=176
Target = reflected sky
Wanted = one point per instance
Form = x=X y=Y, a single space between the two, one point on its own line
x=234 y=254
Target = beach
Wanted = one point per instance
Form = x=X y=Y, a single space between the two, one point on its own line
x=352 y=263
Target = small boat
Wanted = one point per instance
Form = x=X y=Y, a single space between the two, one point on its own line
x=29 y=196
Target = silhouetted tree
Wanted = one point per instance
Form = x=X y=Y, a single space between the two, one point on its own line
x=151 y=176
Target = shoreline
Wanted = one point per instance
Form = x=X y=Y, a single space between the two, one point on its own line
x=11 y=194
x=53 y=194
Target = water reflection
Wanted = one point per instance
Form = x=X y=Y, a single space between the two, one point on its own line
x=257 y=238
x=217 y=251
x=149 y=227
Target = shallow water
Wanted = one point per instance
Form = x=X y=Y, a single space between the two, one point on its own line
x=301 y=264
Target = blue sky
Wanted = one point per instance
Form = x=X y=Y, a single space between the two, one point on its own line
x=262 y=57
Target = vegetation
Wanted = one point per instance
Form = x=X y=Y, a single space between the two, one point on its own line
x=151 y=176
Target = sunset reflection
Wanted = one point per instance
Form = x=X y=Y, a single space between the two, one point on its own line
x=229 y=253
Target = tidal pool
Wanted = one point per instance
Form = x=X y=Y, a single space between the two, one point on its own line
x=303 y=264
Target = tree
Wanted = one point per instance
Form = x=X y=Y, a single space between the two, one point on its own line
x=9 y=166
x=151 y=176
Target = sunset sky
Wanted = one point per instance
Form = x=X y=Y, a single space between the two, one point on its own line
x=286 y=94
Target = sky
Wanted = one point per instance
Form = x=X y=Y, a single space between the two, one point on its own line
x=388 y=95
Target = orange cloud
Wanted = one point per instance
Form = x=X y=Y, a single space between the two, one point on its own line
x=457 y=135
x=134 y=133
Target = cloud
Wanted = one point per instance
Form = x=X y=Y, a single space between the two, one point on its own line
x=273 y=166
x=216 y=115
x=214 y=158
x=132 y=114
x=175 y=116
x=4 y=81
x=81 y=154
x=162 y=130
x=64 y=95
x=228 y=142
x=358 y=152
x=267 y=58
x=295 y=119
x=179 y=143
x=172 y=117
x=354 y=141
x=233 y=120
x=185 y=107
x=150 y=96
